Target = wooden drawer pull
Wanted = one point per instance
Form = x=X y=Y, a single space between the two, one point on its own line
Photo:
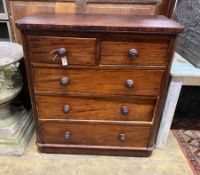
x=122 y=137
x=67 y=135
x=129 y=83
x=124 y=110
x=66 y=108
x=62 y=53
x=64 y=81
x=59 y=52
x=133 y=53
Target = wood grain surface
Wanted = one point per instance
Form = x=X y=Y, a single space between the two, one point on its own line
x=22 y=8
x=97 y=22
x=120 y=8
x=96 y=108
x=79 y=51
x=149 y=52
x=100 y=86
x=94 y=134
x=146 y=82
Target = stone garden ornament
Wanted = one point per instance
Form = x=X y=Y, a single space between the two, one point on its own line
x=10 y=78
x=16 y=124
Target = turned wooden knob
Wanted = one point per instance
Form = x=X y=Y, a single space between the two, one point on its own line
x=122 y=137
x=66 y=108
x=132 y=53
x=61 y=52
x=67 y=135
x=64 y=81
x=129 y=83
x=124 y=110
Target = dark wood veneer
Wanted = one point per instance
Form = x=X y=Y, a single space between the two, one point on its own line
x=101 y=23
x=81 y=108
x=148 y=52
x=96 y=108
x=94 y=134
x=79 y=50
x=146 y=82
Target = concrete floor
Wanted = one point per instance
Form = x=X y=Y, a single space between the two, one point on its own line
x=168 y=161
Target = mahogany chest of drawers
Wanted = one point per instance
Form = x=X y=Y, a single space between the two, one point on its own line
x=97 y=82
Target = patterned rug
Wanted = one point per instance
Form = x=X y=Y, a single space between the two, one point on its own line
x=187 y=132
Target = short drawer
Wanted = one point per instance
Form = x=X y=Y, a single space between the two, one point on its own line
x=95 y=108
x=94 y=134
x=131 y=53
x=115 y=82
x=79 y=51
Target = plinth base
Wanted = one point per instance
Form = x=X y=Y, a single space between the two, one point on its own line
x=16 y=129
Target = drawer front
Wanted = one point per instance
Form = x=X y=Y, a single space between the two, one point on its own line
x=94 y=134
x=128 y=53
x=79 y=51
x=116 y=82
x=95 y=108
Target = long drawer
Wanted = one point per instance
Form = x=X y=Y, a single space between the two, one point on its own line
x=98 y=81
x=94 y=134
x=79 y=51
x=76 y=108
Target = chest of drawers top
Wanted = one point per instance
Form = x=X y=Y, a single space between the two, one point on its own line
x=113 y=84
x=99 y=23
